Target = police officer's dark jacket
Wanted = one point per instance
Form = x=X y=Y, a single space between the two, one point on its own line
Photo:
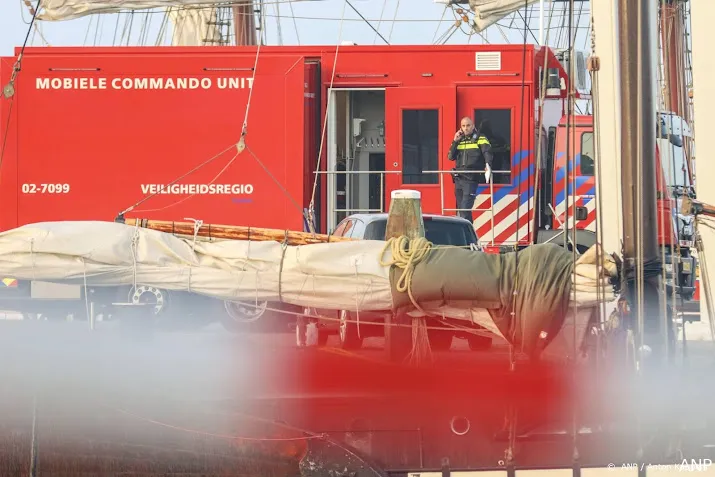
x=471 y=152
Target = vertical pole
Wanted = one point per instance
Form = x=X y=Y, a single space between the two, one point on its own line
x=405 y=215
x=404 y=218
x=641 y=258
x=244 y=24
x=33 y=444
x=671 y=35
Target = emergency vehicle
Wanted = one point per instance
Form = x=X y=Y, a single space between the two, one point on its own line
x=93 y=132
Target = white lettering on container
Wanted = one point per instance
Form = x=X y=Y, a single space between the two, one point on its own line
x=34 y=188
x=234 y=83
x=196 y=189
x=142 y=83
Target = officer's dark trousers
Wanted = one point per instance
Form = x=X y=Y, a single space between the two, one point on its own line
x=465 y=191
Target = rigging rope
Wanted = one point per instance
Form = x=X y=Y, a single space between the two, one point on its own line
x=594 y=67
x=240 y=146
x=379 y=22
x=9 y=89
x=33 y=24
x=574 y=251
x=669 y=153
x=394 y=19
x=311 y=207
x=295 y=23
x=377 y=32
x=406 y=254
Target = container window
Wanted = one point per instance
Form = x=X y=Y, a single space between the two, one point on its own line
x=588 y=166
x=420 y=146
x=499 y=121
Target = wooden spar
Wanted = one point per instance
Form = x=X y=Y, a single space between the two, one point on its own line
x=695 y=207
x=234 y=232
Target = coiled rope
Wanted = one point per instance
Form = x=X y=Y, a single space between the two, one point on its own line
x=406 y=254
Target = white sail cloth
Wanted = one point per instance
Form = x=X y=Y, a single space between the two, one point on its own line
x=488 y=12
x=194 y=27
x=194 y=20
x=340 y=275
x=57 y=10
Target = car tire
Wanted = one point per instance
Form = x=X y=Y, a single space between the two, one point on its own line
x=440 y=340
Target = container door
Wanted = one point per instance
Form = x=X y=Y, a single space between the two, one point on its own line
x=504 y=214
x=419 y=126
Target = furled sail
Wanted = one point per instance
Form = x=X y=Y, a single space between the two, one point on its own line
x=353 y=275
x=56 y=10
x=488 y=12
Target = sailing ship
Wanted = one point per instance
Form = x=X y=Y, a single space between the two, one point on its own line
x=630 y=247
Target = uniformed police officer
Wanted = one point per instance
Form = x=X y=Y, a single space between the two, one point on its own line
x=471 y=151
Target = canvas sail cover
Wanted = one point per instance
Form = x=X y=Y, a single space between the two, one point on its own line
x=55 y=10
x=111 y=254
x=450 y=282
x=195 y=26
x=526 y=292
x=488 y=12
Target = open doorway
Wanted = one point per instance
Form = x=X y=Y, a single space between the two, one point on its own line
x=356 y=151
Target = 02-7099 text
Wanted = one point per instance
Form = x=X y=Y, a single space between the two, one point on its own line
x=45 y=188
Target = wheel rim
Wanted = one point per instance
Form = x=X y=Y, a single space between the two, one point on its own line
x=245 y=312
x=140 y=294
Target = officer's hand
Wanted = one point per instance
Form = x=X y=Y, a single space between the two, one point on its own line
x=488 y=173
x=458 y=135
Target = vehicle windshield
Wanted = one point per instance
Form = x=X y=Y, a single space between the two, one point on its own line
x=439 y=232
x=672 y=159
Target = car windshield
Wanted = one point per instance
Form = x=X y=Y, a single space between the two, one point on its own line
x=439 y=232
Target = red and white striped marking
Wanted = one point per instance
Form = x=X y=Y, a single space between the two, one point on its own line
x=505 y=219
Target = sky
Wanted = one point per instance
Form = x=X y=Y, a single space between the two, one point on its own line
x=418 y=22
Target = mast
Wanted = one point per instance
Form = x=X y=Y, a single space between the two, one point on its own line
x=642 y=263
x=671 y=35
x=244 y=23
